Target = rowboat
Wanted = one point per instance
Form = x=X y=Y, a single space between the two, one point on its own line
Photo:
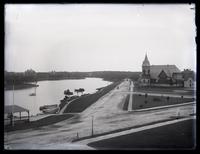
x=32 y=94
x=50 y=108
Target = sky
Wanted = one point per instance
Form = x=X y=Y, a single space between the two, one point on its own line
x=98 y=37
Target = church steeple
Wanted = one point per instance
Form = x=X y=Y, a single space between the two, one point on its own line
x=146 y=61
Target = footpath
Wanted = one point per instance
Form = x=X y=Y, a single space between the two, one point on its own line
x=99 y=138
x=130 y=104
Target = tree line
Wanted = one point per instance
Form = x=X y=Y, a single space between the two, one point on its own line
x=32 y=76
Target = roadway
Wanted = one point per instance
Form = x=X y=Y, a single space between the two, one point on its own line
x=108 y=116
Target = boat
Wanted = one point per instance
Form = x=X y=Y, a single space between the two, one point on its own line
x=50 y=108
x=32 y=94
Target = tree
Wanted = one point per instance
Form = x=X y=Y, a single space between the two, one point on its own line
x=68 y=93
x=81 y=90
x=30 y=75
x=76 y=90
x=167 y=98
x=29 y=72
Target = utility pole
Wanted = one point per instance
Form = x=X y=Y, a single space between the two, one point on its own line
x=92 y=127
x=77 y=136
x=13 y=106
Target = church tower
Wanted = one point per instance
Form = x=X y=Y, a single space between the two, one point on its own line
x=146 y=66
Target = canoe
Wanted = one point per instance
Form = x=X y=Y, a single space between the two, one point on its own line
x=49 y=107
x=50 y=110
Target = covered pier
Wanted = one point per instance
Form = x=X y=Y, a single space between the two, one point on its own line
x=9 y=112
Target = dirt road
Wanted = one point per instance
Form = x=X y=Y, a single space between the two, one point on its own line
x=131 y=94
x=108 y=116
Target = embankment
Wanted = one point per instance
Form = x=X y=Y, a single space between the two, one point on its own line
x=84 y=102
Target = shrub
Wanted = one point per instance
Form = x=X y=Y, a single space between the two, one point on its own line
x=156 y=99
x=167 y=98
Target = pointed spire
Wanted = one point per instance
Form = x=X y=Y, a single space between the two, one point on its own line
x=146 y=61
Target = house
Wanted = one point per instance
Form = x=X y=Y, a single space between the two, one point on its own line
x=189 y=78
x=164 y=75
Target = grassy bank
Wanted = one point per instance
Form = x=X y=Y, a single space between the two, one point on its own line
x=64 y=101
x=39 y=123
x=142 y=102
x=84 y=102
x=177 y=135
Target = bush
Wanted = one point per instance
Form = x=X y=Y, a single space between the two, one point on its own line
x=167 y=98
x=156 y=99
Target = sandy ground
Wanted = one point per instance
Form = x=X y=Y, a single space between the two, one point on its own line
x=131 y=94
x=108 y=116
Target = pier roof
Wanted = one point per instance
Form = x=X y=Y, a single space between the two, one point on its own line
x=15 y=108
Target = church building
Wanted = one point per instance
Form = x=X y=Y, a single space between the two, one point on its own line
x=164 y=75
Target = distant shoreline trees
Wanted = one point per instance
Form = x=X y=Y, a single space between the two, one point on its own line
x=31 y=76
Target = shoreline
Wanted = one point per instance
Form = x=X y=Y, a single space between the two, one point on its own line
x=78 y=127
x=20 y=86
x=65 y=115
x=30 y=85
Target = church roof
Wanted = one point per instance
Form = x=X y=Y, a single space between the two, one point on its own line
x=146 y=61
x=168 y=69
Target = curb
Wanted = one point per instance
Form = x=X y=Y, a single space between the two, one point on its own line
x=133 y=130
x=162 y=107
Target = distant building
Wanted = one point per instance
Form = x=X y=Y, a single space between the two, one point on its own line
x=165 y=75
x=189 y=78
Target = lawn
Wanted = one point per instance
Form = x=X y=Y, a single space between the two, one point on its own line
x=179 y=135
x=142 y=102
x=84 y=102
x=166 y=90
x=125 y=107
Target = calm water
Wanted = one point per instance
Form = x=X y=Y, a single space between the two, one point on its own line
x=50 y=92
